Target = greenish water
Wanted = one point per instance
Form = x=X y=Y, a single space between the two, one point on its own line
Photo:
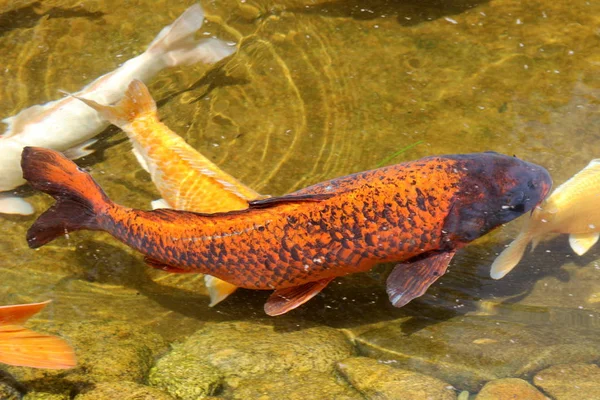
x=317 y=90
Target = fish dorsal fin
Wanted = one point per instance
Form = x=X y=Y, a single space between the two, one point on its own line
x=166 y=267
x=26 y=348
x=206 y=167
x=582 y=242
x=284 y=300
x=410 y=280
x=290 y=198
x=18 y=314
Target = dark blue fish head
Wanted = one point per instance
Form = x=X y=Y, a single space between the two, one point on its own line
x=494 y=190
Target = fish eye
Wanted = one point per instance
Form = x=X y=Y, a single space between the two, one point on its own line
x=531 y=185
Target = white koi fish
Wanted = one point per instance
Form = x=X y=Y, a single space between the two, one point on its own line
x=66 y=123
x=573 y=208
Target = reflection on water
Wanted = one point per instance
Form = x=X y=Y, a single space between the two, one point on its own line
x=317 y=90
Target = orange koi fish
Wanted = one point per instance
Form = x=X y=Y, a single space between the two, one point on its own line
x=417 y=214
x=185 y=178
x=23 y=347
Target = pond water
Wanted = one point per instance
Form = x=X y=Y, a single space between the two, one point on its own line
x=316 y=90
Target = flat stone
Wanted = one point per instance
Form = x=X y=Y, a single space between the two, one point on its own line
x=471 y=350
x=509 y=389
x=123 y=390
x=45 y=396
x=570 y=381
x=252 y=349
x=295 y=386
x=379 y=381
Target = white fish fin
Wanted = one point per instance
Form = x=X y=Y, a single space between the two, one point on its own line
x=81 y=150
x=582 y=242
x=176 y=44
x=12 y=204
x=510 y=257
x=141 y=159
x=160 y=203
x=218 y=289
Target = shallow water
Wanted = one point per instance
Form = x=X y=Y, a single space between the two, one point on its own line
x=318 y=90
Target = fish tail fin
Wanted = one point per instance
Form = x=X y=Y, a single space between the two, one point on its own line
x=136 y=103
x=510 y=256
x=176 y=45
x=79 y=200
x=26 y=348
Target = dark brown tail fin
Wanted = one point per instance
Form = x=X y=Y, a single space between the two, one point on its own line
x=79 y=199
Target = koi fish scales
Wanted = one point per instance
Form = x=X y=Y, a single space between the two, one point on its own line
x=330 y=230
x=409 y=213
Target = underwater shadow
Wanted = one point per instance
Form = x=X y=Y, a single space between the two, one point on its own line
x=28 y=17
x=407 y=12
x=348 y=302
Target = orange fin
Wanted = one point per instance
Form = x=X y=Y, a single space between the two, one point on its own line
x=26 y=348
x=284 y=300
x=136 y=102
x=166 y=267
x=290 y=198
x=410 y=280
x=19 y=313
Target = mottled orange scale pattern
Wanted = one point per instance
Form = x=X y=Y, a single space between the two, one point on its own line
x=186 y=179
x=389 y=214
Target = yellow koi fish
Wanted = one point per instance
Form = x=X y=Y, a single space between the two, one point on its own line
x=572 y=208
x=185 y=178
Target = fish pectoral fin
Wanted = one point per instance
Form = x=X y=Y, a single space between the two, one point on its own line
x=166 y=267
x=26 y=348
x=284 y=300
x=582 y=242
x=218 y=289
x=81 y=150
x=410 y=280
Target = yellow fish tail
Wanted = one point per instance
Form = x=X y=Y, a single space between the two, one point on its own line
x=137 y=103
x=510 y=257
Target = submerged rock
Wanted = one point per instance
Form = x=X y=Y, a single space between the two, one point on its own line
x=232 y=351
x=123 y=390
x=294 y=386
x=509 y=389
x=106 y=352
x=469 y=351
x=379 y=381
x=570 y=381
x=185 y=376
x=46 y=396
x=8 y=392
